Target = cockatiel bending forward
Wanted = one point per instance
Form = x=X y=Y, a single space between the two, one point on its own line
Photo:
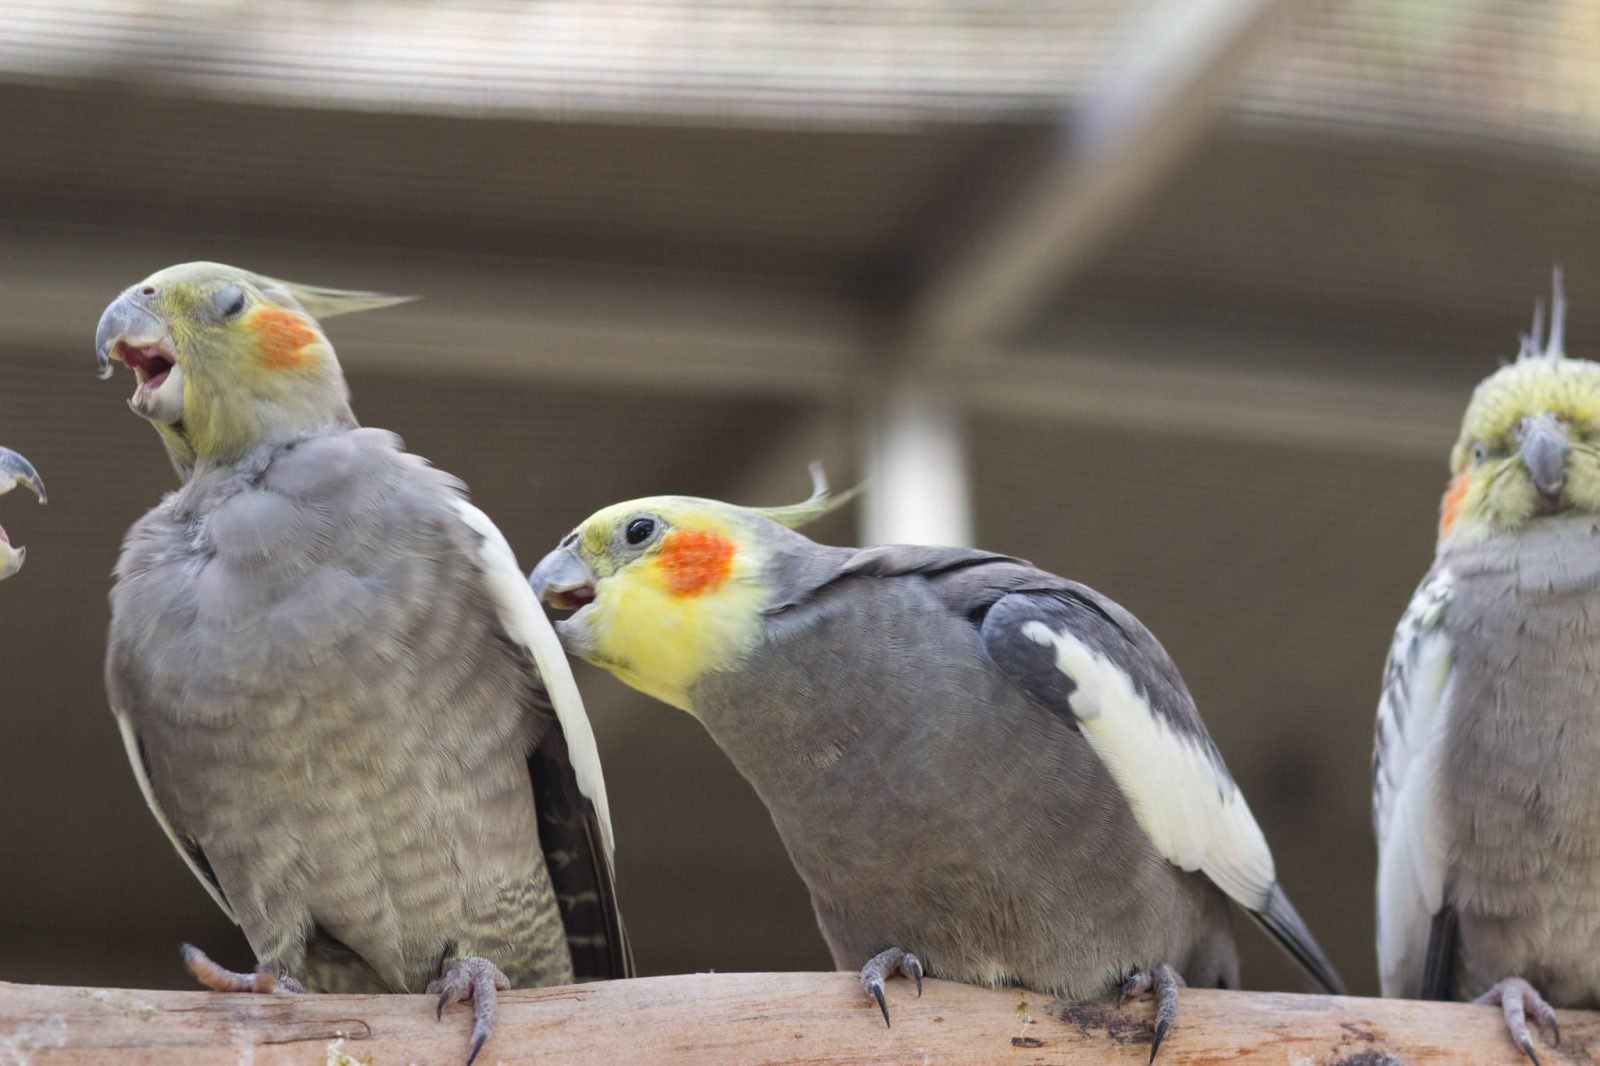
x=982 y=771
x=339 y=696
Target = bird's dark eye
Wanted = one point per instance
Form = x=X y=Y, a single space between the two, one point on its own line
x=229 y=301
x=1480 y=452
x=639 y=530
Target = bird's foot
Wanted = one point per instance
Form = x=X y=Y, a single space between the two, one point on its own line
x=477 y=979
x=1517 y=999
x=14 y=471
x=887 y=964
x=218 y=979
x=1164 y=981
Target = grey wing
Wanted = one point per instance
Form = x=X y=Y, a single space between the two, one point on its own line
x=570 y=792
x=1082 y=656
x=1415 y=926
x=149 y=539
x=188 y=849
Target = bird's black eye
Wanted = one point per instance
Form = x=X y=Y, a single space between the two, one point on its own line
x=229 y=301
x=1480 y=452
x=639 y=530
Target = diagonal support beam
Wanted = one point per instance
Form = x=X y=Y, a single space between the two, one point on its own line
x=1125 y=137
x=1177 y=58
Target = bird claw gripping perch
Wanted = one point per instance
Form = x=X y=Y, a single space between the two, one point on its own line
x=1164 y=981
x=14 y=471
x=1517 y=999
x=885 y=964
x=476 y=979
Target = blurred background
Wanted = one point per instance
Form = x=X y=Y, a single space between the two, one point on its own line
x=1182 y=299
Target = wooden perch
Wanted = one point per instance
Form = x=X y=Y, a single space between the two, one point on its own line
x=751 y=1018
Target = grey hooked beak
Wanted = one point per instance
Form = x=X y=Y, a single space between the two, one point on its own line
x=1544 y=444
x=129 y=323
x=14 y=471
x=563 y=580
x=133 y=335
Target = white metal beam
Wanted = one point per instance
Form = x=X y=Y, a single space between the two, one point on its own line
x=918 y=482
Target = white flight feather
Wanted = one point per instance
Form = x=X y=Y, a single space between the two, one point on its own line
x=524 y=622
x=1189 y=808
x=130 y=743
x=1411 y=845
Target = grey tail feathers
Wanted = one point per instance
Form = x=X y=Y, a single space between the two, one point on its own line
x=1278 y=917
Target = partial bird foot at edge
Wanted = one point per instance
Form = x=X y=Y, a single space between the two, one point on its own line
x=266 y=978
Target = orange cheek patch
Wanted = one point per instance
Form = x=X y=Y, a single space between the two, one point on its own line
x=695 y=561
x=1452 y=503
x=281 y=337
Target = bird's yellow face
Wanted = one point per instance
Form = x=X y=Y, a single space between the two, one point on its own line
x=225 y=359
x=1529 y=447
x=665 y=590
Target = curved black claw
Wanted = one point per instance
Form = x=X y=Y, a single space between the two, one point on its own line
x=1517 y=999
x=892 y=962
x=1164 y=981
x=476 y=979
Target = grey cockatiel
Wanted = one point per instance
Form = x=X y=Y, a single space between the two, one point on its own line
x=339 y=696
x=14 y=471
x=1486 y=803
x=982 y=771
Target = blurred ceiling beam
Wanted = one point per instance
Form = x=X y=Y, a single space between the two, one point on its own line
x=1121 y=140
x=1123 y=137
x=678 y=335
x=662 y=330
x=1280 y=408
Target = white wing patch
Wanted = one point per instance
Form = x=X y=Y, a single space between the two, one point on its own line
x=1406 y=796
x=1187 y=805
x=525 y=622
x=130 y=744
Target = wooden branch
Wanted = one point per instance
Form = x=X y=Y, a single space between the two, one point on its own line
x=750 y=1018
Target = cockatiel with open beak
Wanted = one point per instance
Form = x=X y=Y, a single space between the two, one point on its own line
x=1485 y=796
x=982 y=771
x=14 y=471
x=339 y=696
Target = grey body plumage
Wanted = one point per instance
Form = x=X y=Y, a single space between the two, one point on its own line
x=929 y=802
x=336 y=728
x=982 y=771
x=1517 y=826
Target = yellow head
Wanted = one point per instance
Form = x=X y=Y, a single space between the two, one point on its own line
x=226 y=359
x=1530 y=440
x=669 y=588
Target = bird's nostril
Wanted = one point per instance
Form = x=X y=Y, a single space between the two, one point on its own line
x=148 y=290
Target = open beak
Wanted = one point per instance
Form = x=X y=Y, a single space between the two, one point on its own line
x=563 y=580
x=1543 y=444
x=133 y=335
x=14 y=471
